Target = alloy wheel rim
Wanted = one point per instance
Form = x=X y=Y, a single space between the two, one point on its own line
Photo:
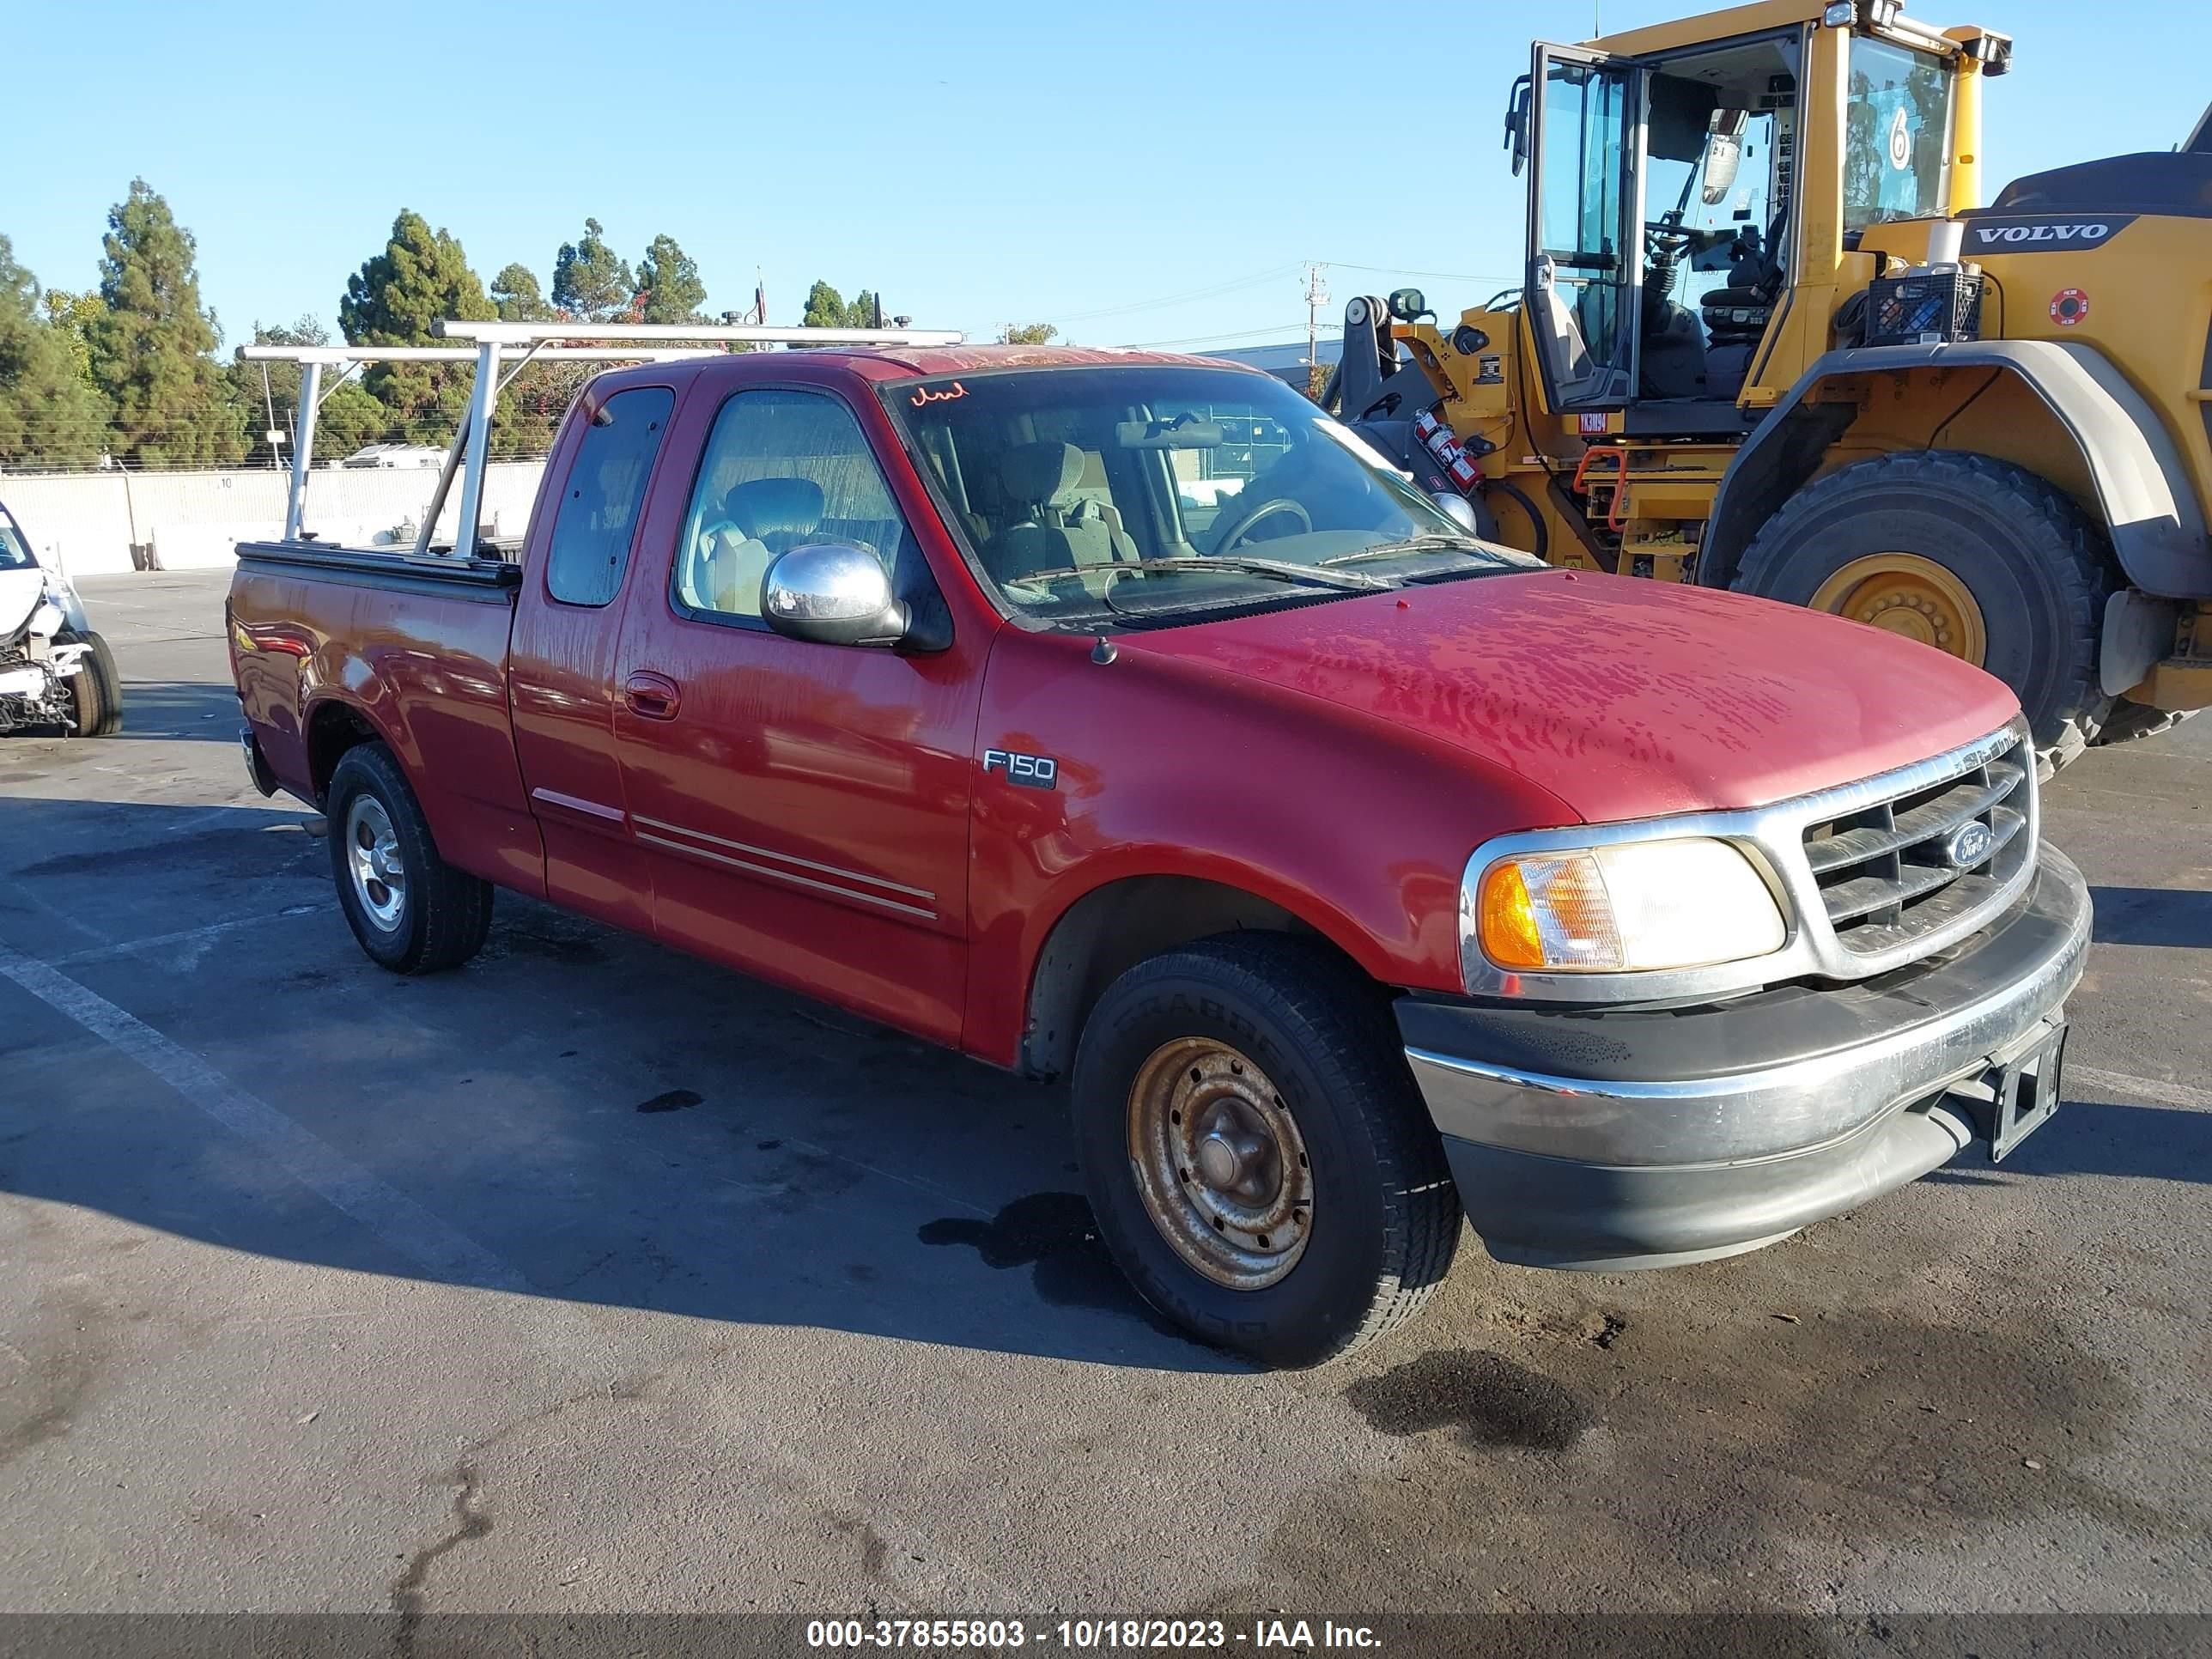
x=1910 y=596
x=1220 y=1163
x=379 y=876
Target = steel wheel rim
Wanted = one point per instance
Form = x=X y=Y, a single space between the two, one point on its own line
x=1220 y=1163
x=379 y=878
x=1912 y=597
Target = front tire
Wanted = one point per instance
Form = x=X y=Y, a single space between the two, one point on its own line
x=96 y=691
x=1259 y=1160
x=1976 y=557
x=412 y=912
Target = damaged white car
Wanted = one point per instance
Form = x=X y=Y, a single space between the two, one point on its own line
x=56 y=674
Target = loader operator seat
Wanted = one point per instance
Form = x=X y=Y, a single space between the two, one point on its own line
x=1737 y=316
x=761 y=519
x=1057 y=529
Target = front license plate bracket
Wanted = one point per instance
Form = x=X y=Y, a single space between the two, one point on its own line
x=2027 y=1090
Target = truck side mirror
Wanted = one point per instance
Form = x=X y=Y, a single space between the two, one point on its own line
x=833 y=593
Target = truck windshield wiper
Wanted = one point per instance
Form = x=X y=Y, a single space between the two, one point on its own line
x=1281 y=569
x=1465 y=545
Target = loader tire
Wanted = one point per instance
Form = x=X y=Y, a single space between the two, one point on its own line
x=2015 y=564
x=2131 y=721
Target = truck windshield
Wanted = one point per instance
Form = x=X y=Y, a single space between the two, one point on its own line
x=1147 y=490
x=1897 y=135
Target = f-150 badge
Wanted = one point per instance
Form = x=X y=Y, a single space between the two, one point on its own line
x=1030 y=771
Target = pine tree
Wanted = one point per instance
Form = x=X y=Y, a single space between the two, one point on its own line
x=49 y=413
x=152 y=349
x=520 y=300
x=825 y=307
x=589 y=283
x=422 y=277
x=668 y=286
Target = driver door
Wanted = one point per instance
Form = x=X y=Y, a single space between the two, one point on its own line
x=1585 y=210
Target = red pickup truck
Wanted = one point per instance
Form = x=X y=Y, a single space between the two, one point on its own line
x=1122 y=718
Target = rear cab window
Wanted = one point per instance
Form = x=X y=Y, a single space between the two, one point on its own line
x=601 y=500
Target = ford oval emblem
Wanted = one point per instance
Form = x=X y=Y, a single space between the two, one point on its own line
x=1970 y=843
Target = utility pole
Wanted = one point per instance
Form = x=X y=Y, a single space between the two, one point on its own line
x=1316 y=297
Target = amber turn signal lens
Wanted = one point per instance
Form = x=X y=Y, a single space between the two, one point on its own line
x=1510 y=937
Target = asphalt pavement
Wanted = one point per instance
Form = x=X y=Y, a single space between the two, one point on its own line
x=592 y=1278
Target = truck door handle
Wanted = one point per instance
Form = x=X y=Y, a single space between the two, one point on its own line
x=652 y=696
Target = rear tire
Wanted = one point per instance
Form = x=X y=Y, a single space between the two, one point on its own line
x=1305 y=1035
x=412 y=912
x=96 y=690
x=2037 y=568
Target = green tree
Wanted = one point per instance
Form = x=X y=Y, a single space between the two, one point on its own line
x=422 y=275
x=152 y=349
x=1028 y=334
x=826 y=308
x=515 y=292
x=589 y=282
x=49 y=412
x=265 y=393
x=668 y=286
x=75 y=315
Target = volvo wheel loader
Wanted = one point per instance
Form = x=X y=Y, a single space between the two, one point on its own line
x=1770 y=338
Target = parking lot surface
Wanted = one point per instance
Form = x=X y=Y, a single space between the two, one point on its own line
x=590 y=1277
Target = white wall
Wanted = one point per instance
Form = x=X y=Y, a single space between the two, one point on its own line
x=87 y=521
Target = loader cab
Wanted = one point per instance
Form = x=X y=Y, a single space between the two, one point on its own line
x=1660 y=189
x=1664 y=184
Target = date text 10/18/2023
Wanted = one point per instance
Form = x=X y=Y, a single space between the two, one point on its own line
x=1087 y=1635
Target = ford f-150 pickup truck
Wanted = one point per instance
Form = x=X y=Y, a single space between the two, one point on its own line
x=1121 y=718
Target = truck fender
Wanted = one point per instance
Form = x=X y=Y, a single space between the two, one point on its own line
x=374 y=716
x=2155 y=520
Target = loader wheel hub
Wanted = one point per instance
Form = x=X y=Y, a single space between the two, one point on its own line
x=1911 y=596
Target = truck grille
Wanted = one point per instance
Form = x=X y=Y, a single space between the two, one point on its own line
x=1897 y=870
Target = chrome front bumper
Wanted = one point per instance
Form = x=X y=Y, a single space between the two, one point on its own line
x=1620 y=1138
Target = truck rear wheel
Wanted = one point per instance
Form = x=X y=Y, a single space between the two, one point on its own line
x=1258 y=1160
x=1976 y=557
x=412 y=912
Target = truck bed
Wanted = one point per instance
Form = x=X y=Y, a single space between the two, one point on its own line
x=422 y=666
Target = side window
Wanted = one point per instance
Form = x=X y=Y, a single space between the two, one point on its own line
x=783 y=469
x=596 y=519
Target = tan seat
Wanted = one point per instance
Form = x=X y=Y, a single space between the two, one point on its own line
x=1058 y=530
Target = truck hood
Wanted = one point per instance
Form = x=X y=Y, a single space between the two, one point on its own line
x=1625 y=698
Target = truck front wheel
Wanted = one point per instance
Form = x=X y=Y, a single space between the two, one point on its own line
x=1975 y=557
x=412 y=912
x=1258 y=1160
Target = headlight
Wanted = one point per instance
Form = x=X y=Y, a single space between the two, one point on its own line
x=1636 y=906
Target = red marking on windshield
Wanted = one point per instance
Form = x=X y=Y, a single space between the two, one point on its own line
x=924 y=395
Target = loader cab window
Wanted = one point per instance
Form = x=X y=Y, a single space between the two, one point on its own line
x=1897 y=135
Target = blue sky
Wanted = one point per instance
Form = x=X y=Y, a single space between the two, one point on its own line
x=1134 y=172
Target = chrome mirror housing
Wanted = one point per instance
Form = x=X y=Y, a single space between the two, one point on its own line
x=833 y=593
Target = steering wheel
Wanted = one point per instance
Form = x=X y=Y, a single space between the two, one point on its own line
x=1266 y=509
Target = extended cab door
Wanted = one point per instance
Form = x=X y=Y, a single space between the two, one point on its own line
x=1584 y=225
x=803 y=807
x=566 y=628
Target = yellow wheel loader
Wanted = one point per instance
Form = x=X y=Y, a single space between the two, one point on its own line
x=1770 y=338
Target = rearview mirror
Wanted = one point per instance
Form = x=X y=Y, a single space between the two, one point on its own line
x=1184 y=432
x=833 y=593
